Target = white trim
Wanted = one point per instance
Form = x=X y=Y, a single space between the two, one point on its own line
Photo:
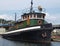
x=31 y=18
x=19 y=30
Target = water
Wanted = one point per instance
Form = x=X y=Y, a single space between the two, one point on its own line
x=4 y=42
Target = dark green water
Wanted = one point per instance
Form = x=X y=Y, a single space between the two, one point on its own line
x=4 y=42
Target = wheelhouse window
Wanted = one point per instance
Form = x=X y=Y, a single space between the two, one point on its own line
x=30 y=16
x=23 y=17
x=34 y=16
x=38 y=16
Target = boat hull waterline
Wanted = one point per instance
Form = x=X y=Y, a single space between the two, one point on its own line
x=30 y=34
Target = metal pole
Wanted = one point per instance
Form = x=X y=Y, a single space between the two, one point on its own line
x=31 y=9
x=15 y=16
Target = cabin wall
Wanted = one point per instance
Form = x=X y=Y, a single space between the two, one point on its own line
x=24 y=24
x=32 y=23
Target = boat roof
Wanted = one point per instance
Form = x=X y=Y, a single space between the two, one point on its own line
x=33 y=13
x=5 y=25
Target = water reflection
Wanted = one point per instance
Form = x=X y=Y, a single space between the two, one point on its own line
x=4 y=42
x=40 y=44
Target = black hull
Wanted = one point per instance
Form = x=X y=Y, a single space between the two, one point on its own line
x=39 y=35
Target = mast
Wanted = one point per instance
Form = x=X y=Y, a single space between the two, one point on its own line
x=15 y=17
x=31 y=9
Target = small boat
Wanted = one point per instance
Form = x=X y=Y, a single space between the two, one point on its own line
x=32 y=27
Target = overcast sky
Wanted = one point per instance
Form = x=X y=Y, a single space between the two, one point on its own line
x=9 y=7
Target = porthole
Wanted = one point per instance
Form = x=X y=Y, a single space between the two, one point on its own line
x=39 y=22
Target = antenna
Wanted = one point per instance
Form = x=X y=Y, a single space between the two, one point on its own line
x=31 y=9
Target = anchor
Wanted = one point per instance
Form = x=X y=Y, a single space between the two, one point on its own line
x=44 y=35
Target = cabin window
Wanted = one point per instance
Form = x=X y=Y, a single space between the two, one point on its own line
x=34 y=16
x=28 y=16
x=39 y=16
x=23 y=17
x=31 y=16
x=43 y=16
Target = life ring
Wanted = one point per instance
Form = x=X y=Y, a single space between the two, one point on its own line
x=39 y=22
